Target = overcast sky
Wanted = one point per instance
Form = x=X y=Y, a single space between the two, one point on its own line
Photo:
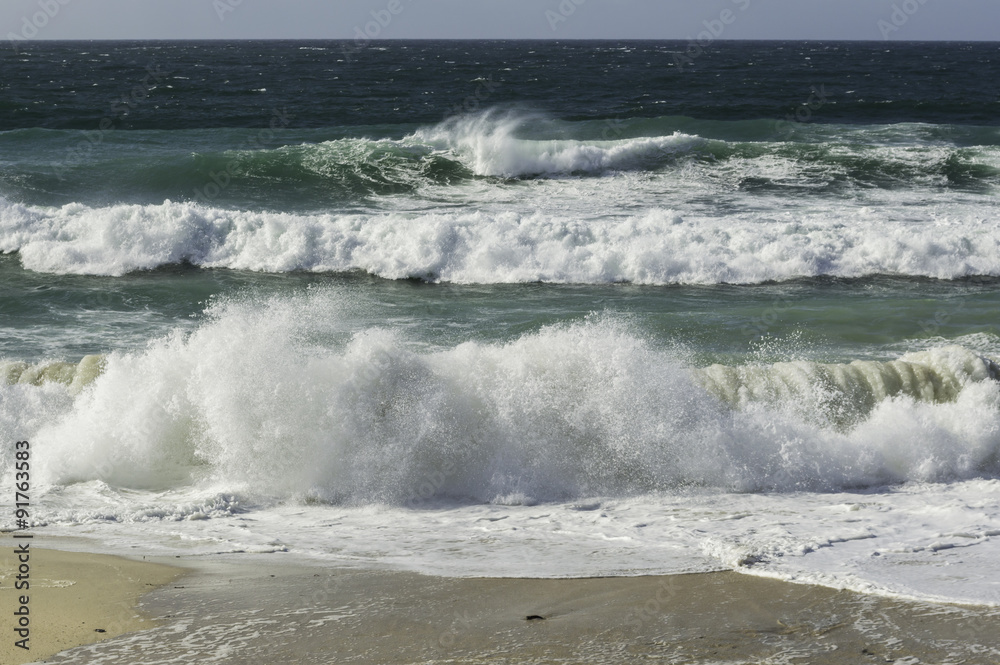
x=537 y=19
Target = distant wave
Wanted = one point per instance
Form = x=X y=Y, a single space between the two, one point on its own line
x=752 y=156
x=507 y=196
x=246 y=404
x=490 y=144
x=521 y=145
x=657 y=247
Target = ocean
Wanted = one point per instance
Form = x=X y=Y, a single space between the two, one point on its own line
x=525 y=309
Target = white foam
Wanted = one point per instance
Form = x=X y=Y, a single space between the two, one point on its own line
x=245 y=404
x=489 y=144
x=654 y=247
x=924 y=541
x=577 y=450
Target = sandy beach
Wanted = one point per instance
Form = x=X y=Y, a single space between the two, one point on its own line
x=266 y=608
x=73 y=598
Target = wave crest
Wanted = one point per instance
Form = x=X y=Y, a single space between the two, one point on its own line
x=74 y=376
x=247 y=404
x=492 y=144
x=844 y=394
x=657 y=247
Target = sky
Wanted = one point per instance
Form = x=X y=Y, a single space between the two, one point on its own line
x=509 y=19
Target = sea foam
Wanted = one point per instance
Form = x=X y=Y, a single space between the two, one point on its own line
x=653 y=247
x=492 y=144
x=250 y=403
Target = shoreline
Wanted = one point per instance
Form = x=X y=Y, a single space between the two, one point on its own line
x=232 y=609
x=74 y=599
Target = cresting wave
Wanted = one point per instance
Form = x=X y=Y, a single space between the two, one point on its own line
x=75 y=376
x=247 y=404
x=493 y=144
x=314 y=171
x=656 y=247
x=341 y=170
x=513 y=144
x=843 y=395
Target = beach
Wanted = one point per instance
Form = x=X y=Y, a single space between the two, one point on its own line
x=73 y=598
x=261 y=608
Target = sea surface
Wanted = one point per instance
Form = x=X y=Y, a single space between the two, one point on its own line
x=534 y=309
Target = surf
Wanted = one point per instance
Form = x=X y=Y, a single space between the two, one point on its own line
x=658 y=246
x=251 y=403
x=500 y=143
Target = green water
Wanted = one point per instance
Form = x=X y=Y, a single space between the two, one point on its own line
x=65 y=317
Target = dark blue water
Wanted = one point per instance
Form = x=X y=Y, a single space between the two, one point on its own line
x=197 y=85
x=190 y=170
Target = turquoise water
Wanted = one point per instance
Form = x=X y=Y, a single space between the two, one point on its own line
x=832 y=320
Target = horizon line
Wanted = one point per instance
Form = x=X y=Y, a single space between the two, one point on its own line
x=496 y=39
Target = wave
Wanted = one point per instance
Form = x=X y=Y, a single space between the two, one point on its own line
x=347 y=169
x=322 y=172
x=318 y=173
x=75 y=376
x=784 y=130
x=250 y=403
x=658 y=247
x=492 y=145
x=517 y=145
x=845 y=394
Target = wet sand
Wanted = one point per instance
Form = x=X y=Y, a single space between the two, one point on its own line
x=73 y=599
x=266 y=608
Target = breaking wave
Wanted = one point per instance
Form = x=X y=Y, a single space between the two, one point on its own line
x=657 y=247
x=492 y=144
x=249 y=403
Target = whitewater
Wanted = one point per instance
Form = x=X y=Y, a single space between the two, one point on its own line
x=632 y=209
x=584 y=449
